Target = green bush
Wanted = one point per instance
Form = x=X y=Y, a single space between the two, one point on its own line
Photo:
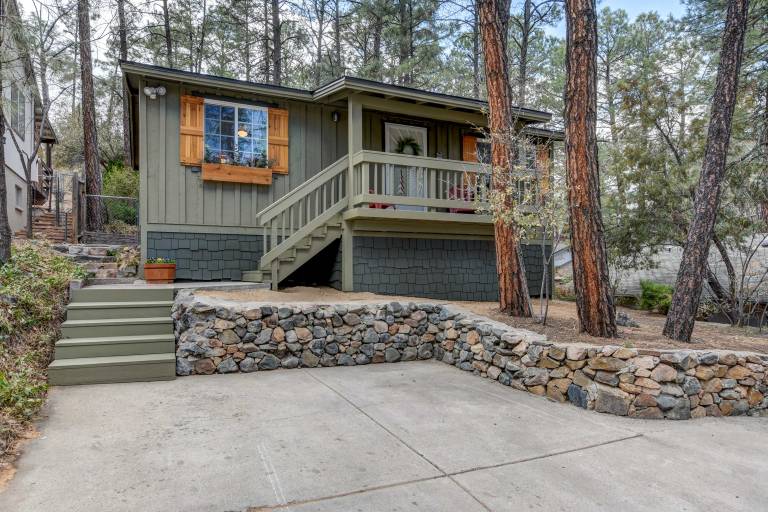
x=33 y=294
x=120 y=181
x=655 y=297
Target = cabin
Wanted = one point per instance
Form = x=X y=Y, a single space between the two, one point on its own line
x=361 y=185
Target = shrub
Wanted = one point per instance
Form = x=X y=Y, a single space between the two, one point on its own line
x=120 y=181
x=655 y=297
x=33 y=294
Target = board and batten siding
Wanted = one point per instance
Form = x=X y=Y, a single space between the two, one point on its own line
x=174 y=194
x=443 y=138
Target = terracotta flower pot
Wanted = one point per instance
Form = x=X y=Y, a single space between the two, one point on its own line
x=159 y=272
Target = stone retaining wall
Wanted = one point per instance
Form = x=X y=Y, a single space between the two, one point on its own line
x=224 y=337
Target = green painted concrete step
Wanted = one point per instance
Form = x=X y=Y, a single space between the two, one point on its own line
x=121 y=294
x=105 y=310
x=115 y=346
x=99 y=370
x=116 y=327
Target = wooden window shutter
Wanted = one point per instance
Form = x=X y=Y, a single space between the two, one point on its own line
x=278 y=140
x=191 y=145
x=543 y=166
x=469 y=148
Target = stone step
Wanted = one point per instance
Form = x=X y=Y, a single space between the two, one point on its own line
x=120 y=310
x=98 y=370
x=115 y=346
x=116 y=327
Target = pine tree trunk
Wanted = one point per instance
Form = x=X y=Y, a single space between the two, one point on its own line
x=594 y=301
x=95 y=220
x=168 y=37
x=494 y=21
x=123 y=33
x=687 y=294
x=5 y=227
x=277 y=44
x=475 y=54
x=522 y=68
x=337 y=68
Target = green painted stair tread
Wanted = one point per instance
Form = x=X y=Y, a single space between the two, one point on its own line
x=73 y=348
x=105 y=293
x=104 y=322
x=138 y=359
x=103 y=370
x=118 y=305
x=102 y=340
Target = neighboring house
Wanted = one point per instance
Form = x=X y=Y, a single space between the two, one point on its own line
x=362 y=185
x=23 y=111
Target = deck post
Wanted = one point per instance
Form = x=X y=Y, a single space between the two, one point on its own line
x=354 y=144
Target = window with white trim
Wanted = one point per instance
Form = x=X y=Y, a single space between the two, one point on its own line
x=18 y=110
x=235 y=134
x=19 y=197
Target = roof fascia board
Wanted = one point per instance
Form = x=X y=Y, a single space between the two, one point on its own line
x=214 y=82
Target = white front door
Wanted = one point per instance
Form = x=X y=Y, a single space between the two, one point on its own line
x=406 y=180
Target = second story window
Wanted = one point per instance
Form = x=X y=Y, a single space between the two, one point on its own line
x=235 y=134
x=18 y=111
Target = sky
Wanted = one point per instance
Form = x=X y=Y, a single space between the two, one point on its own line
x=633 y=8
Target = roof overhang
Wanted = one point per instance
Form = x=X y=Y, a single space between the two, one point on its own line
x=329 y=92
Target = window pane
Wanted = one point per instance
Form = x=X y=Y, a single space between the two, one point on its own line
x=212 y=111
x=244 y=145
x=227 y=113
x=227 y=128
x=212 y=126
x=227 y=143
x=259 y=132
x=245 y=115
x=260 y=117
x=212 y=142
x=259 y=147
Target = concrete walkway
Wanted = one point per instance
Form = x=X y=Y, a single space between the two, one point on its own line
x=415 y=436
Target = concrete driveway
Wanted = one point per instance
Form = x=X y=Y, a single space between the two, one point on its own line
x=415 y=436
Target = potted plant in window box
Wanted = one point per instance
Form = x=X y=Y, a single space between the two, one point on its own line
x=159 y=270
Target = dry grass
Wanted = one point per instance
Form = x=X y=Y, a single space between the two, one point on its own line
x=562 y=324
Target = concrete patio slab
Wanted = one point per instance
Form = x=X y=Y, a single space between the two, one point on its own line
x=406 y=436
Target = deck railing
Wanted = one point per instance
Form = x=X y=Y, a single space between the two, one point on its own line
x=304 y=209
x=381 y=180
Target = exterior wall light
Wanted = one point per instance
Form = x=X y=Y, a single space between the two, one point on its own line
x=335 y=116
x=154 y=92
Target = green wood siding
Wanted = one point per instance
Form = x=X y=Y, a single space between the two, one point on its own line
x=442 y=137
x=175 y=194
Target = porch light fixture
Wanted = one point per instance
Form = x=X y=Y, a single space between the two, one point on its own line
x=335 y=116
x=154 y=92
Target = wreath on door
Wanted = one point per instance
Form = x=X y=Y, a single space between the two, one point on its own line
x=404 y=143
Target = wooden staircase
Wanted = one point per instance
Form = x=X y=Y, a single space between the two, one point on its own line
x=44 y=226
x=301 y=224
x=115 y=334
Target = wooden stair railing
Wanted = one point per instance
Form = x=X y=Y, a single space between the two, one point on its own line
x=305 y=219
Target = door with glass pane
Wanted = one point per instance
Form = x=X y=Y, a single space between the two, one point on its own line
x=405 y=180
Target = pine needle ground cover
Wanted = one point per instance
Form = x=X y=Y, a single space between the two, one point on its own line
x=33 y=294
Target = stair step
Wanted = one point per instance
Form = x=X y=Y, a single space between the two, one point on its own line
x=116 y=327
x=253 y=276
x=115 y=346
x=122 y=294
x=97 y=370
x=105 y=310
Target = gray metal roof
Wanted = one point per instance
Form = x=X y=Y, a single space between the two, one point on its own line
x=342 y=84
